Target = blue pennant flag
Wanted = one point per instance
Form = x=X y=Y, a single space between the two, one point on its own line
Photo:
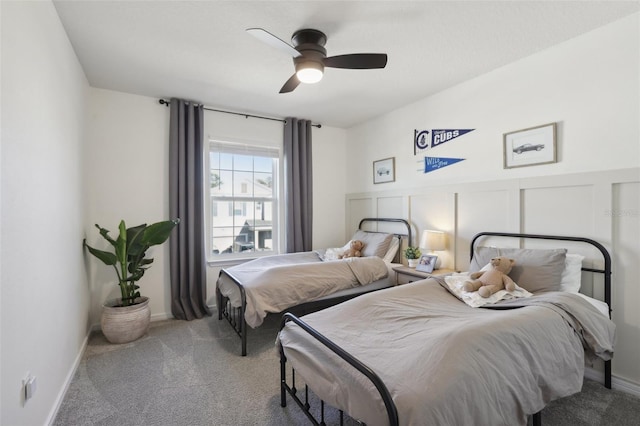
x=435 y=163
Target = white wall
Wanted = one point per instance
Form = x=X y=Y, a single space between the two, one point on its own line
x=588 y=85
x=44 y=294
x=126 y=173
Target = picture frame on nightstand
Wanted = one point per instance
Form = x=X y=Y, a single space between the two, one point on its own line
x=427 y=263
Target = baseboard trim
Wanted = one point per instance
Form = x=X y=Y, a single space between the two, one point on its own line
x=161 y=317
x=67 y=381
x=76 y=363
x=617 y=383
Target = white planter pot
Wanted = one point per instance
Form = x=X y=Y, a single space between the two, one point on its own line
x=123 y=324
x=413 y=262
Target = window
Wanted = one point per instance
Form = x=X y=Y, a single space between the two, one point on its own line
x=243 y=201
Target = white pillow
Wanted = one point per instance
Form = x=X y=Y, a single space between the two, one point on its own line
x=572 y=274
x=393 y=248
x=598 y=304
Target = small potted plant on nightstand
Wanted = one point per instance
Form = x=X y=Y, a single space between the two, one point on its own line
x=413 y=255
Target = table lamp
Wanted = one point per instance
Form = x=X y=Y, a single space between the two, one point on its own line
x=433 y=241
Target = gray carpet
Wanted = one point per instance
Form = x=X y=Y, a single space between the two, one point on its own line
x=190 y=373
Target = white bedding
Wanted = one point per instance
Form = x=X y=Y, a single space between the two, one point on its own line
x=473 y=299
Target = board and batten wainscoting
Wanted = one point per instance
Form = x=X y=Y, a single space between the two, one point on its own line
x=603 y=205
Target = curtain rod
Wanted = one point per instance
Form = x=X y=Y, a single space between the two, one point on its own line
x=166 y=103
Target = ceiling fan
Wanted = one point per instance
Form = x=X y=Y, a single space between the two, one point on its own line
x=310 y=56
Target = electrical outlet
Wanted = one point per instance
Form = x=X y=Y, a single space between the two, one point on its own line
x=29 y=386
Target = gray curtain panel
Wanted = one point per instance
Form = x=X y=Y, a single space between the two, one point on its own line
x=298 y=185
x=186 y=199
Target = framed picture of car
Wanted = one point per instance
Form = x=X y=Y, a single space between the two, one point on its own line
x=530 y=147
x=384 y=170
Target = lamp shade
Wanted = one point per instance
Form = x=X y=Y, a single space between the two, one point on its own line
x=433 y=240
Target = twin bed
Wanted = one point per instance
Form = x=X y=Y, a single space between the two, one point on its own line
x=307 y=282
x=421 y=354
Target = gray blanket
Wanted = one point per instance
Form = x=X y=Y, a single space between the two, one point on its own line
x=446 y=363
x=597 y=336
x=275 y=283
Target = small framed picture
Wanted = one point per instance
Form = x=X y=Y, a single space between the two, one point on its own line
x=384 y=170
x=530 y=147
x=427 y=263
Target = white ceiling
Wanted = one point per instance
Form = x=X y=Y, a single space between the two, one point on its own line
x=199 y=50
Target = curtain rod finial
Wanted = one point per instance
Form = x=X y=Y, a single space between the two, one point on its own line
x=163 y=102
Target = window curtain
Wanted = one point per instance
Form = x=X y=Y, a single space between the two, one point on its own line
x=298 y=185
x=186 y=199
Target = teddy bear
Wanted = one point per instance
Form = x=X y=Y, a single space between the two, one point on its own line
x=492 y=280
x=355 y=249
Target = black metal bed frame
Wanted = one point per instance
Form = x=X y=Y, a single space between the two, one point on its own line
x=235 y=315
x=392 y=411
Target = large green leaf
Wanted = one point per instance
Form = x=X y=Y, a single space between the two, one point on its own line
x=107 y=258
x=159 y=232
x=105 y=234
x=134 y=240
x=121 y=243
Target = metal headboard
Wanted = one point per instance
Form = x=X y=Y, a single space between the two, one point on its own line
x=606 y=271
x=399 y=235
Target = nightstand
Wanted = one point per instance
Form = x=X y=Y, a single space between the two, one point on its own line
x=405 y=275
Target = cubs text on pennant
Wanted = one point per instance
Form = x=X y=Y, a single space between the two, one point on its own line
x=440 y=136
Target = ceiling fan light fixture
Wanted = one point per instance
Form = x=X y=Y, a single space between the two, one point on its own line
x=309 y=72
x=310 y=56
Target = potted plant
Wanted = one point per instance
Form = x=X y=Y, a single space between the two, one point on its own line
x=412 y=254
x=127 y=318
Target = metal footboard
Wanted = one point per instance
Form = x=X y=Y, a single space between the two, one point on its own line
x=390 y=406
x=392 y=412
x=606 y=271
x=235 y=315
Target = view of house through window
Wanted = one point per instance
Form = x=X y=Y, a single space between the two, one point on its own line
x=243 y=198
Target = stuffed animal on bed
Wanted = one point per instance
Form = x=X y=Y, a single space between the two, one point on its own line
x=355 y=249
x=492 y=280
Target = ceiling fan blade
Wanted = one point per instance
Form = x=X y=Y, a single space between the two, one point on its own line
x=273 y=41
x=357 y=61
x=290 y=85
